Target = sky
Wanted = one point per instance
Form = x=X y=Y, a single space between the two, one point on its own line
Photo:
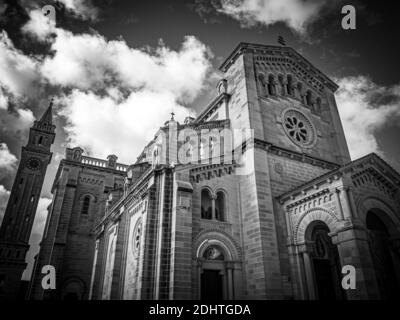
x=117 y=69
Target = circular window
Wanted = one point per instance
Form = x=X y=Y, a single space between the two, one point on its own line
x=137 y=234
x=298 y=128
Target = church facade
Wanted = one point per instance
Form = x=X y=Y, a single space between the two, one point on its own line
x=256 y=198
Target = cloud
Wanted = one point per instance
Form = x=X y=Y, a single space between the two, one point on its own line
x=89 y=61
x=4 y=195
x=19 y=73
x=83 y=9
x=7 y=160
x=36 y=234
x=39 y=25
x=16 y=122
x=104 y=126
x=365 y=108
x=122 y=95
x=296 y=14
x=3 y=100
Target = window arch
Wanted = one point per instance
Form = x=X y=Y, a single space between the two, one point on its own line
x=309 y=98
x=261 y=81
x=206 y=204
x=271 y=85
x=85 y=205
x=317 y=106
x=281 y=84
x=220 y=206
x=289 y=85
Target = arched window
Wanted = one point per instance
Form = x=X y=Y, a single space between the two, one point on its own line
x=271 y=85
x=317 y=106
x=206 y=204
x=300 y=90
x=40 y=140
x=220 y=206
x=85 y=205
x=289 y=85
x=281 y=85
x=261 y=83
x=309 y=98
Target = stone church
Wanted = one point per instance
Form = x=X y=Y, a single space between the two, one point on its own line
x=275 y=214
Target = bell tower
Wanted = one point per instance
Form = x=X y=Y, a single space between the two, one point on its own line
x=297 y=136
x=22 y=204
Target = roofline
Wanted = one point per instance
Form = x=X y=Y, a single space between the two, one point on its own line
x=246 y=45
x=370 y=156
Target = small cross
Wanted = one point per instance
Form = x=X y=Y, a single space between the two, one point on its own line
x=172 y=115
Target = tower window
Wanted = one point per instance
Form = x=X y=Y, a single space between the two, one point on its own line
x=309 y=98
x=318 y=105
x=85 y=205
x=40 y=140
x=206 y=204
x=261 y=82
x=289 y=85
x=220 y=205
x=271 y=85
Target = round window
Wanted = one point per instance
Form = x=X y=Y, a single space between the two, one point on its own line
x=299 y=128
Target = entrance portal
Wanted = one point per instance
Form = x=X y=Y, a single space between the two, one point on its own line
x=326 y=264
x=211 y=285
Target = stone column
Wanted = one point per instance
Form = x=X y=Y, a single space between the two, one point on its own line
x=199 y=272
x=347 y=209
x=309 y=272
x=229 y=275
x=353 y=248
x=213 y=215
x=297 y=273
x=339 y=204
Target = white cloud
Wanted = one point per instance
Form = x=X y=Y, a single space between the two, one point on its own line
x=104 y=126
x=365 y=108
x=3 y=100
x=19 y=72
x=101 y=116
x=4 y=195
x=7 y=159
x=83 y=9
x=36 y=234
x=89 y=61
x=296 y=14
x=39 y=25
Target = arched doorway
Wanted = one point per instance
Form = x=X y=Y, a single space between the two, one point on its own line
x=213 y=274
x=219 y=273
x=325 y=262
x=73 y=289
x=382 y=255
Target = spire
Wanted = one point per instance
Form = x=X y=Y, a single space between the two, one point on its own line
x=47 y=117
x=46 y=121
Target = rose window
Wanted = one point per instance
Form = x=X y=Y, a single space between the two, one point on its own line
x=299 y=128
